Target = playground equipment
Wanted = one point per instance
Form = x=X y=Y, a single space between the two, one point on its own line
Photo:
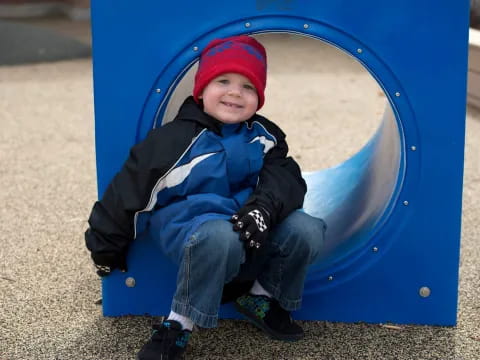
x=393 y=209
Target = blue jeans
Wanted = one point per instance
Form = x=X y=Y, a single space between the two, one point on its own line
x=214 y=253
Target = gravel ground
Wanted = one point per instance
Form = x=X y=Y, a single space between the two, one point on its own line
x=48 y=289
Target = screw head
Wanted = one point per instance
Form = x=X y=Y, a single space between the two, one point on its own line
x=158 y=91
x=413 y=147
x=195 y=48
x=359 y=50
x=247 y=25
x=130 y=282
x=306 y=26
x=424 y=291
x=330 y=278
x=405 y=203
x=397 y=94
x=375 y=249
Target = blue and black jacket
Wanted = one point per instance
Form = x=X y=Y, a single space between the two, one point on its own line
x=192 y=170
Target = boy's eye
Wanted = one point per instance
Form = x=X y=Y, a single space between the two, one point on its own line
x=249 y=87
x=223 y=81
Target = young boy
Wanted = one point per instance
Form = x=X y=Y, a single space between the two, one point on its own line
x=218 y=193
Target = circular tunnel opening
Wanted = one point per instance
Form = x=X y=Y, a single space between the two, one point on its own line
x=340 y=128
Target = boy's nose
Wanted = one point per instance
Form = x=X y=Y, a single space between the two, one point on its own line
x=234 y=91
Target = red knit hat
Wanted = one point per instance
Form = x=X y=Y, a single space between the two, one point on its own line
x=237 y=54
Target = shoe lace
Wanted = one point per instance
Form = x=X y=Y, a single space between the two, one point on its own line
x=166 y=337
x=182 y=340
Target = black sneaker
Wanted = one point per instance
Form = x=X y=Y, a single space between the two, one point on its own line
x=168 y=342
x=266 y=314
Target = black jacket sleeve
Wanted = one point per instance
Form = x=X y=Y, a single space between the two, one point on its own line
x=112 y=218
x=281 y=188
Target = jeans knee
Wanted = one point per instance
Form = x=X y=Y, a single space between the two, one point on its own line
x=309 y=233
x=218 y=244
x=309 y=247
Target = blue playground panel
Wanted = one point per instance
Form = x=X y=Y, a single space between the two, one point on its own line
x=393 y=209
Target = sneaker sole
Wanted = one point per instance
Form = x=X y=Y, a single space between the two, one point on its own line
x=262 y=326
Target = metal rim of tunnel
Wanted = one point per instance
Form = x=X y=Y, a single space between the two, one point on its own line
x=394 y=212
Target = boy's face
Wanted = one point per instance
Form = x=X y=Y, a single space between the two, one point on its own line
x=230 y=98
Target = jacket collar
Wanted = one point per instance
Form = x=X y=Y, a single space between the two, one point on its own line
x=192 y=111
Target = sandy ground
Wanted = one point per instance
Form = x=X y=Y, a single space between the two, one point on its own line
x=48 y=288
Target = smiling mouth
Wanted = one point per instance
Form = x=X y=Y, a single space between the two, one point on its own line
x=231 y=105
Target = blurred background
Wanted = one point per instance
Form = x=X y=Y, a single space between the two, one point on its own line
x=72 y=9
x=34 y=31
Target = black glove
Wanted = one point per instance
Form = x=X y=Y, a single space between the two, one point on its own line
x=107 y=262
x=253 y=224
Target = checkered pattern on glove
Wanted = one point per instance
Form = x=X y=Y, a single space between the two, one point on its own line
x=253 y=223
x=259 y=220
